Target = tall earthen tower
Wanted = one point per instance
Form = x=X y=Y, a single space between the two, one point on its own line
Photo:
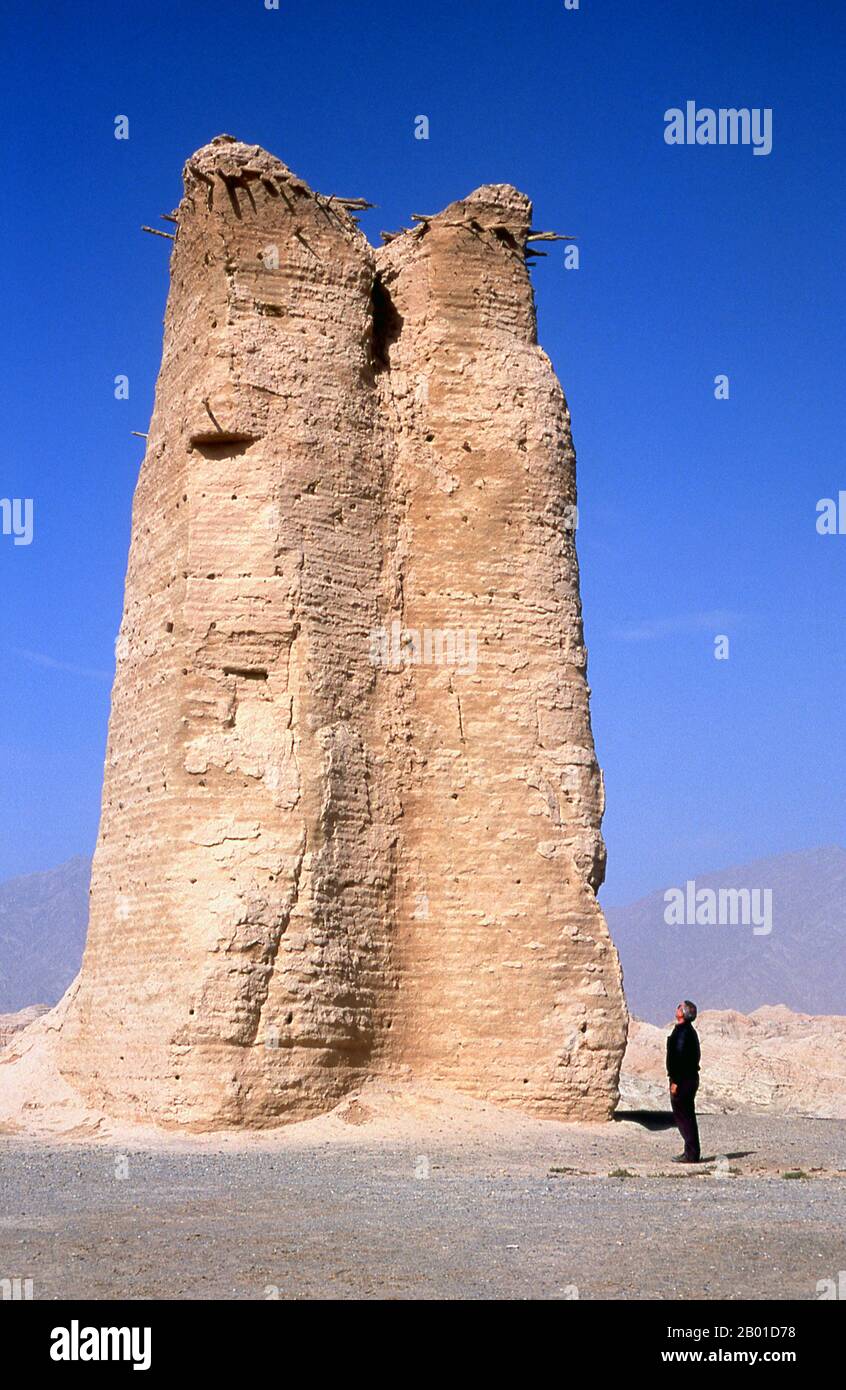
x=351 y=811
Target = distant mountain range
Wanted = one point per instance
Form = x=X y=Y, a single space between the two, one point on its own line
x=800 y=962
x=43 y=919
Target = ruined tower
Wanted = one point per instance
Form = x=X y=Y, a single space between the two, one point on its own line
x=351 y=810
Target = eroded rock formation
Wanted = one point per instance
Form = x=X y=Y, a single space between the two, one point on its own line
x=351 y=811
x=10 y=1024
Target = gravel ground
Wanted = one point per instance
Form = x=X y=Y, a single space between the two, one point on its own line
x=524 y=1212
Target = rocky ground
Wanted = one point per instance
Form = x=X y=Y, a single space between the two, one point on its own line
x=422 y=1195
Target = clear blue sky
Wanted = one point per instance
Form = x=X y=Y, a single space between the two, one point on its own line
x=697 y=516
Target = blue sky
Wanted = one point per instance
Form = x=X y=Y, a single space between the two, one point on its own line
x=697 y=516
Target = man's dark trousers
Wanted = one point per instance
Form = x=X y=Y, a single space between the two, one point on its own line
x=684 y=1111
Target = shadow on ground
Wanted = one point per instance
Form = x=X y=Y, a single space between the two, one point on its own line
x=650 y=1119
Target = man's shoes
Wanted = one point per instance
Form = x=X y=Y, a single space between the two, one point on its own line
x=681 y=1158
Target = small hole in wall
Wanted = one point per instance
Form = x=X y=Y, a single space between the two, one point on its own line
x=247 y=673
x=525 y=1080
x=176 y=1078
x=168 y=627
x=430 y=438
x=219 y=444
x=191 y=1012
x=386 y=323
x=289 y=1018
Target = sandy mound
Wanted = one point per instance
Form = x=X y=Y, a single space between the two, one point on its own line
x=34 y=1098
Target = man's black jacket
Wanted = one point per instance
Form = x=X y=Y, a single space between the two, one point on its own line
x=683 y=1053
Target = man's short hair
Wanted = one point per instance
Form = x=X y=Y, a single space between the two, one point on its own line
x=689 y=1010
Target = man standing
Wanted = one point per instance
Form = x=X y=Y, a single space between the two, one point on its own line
x=683 y=1071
